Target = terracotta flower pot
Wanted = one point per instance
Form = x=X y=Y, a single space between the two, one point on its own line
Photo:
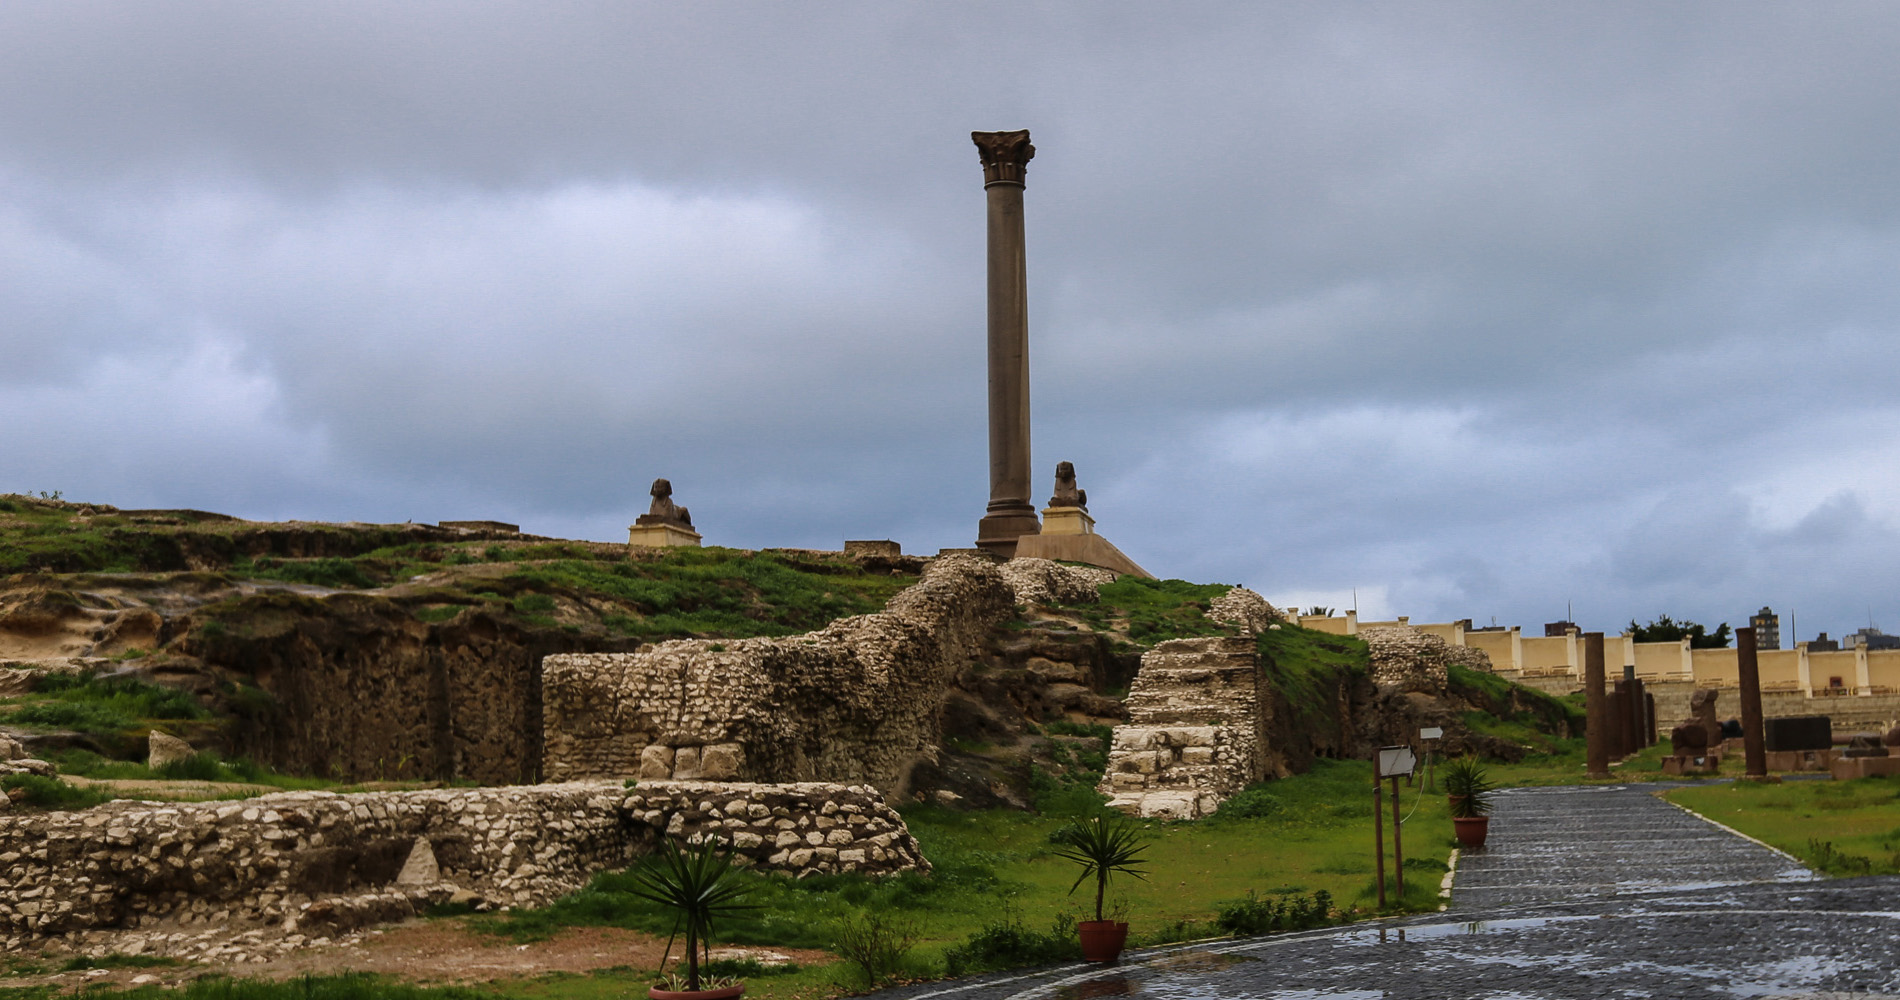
x=726 y=993
x=1471 y=830
x=1102 y=940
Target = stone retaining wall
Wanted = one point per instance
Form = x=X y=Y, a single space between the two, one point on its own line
x=307 y=864
x=859 y=700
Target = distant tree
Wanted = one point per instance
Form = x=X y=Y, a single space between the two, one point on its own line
x=1667 y=629
x=1322 y=612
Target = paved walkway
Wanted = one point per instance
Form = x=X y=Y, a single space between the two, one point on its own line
x=1581 y=893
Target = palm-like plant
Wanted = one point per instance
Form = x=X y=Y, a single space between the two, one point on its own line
x=1468 y=787
x=1103 y=846
x=697 y=884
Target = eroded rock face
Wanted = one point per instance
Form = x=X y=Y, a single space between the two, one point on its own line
x=859 y=700
x=309 y=864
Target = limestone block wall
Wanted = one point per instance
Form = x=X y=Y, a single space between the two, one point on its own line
x=1412 y=659
x=309 y=863
x=858 y=700
x=1195 y=730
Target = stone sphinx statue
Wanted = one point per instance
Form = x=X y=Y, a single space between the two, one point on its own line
x=1067 y=495
x=664 y=510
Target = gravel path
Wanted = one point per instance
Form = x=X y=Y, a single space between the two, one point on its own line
x=1581 y=893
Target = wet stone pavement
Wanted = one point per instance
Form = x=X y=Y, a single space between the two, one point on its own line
x=1581 y=893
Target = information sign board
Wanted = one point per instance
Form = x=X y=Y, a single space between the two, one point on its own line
x=1396 y=762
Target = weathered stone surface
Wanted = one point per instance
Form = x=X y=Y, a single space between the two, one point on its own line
x=858 y=700
x=319 y=863
x=420 y=868
x=1195 y=730
x=162 y=749
x=1044 y=581
x=1413 y=660
x=1246 y=610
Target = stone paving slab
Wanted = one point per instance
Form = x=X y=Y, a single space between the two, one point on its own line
x=1709 y=914
x=1556 y=844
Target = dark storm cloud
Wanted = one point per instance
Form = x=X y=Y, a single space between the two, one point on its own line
x=1481 y=309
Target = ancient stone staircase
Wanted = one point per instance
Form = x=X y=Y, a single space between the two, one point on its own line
x=1194 y=732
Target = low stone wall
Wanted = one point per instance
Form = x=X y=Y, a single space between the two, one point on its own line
x=309 y=864
x=859 y=700
x=1194 y=733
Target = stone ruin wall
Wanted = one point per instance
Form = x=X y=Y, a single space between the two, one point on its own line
x=859 y=700
x=1194 y=733
x=1203 y=713
x=277 y=871
x=1411 y=659
x=1198 y=725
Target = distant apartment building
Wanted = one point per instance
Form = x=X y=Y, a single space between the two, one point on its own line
x=1767 y=626
x=1872 y=638
x=1556 y=630
x=1822 y=644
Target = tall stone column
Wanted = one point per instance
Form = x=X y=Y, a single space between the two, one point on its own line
x=1010 y=515
x=1596 y=724
x=1748 y=672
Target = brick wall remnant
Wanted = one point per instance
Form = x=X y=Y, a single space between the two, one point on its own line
x=282 y=869
x=858 y=700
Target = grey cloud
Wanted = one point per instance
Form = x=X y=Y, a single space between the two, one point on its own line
x=1488 y=307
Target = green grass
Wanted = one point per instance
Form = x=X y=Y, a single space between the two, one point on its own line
x=1155 y=610
x=1835 y=827
x=95 y=705
x=1307 y=665
x=52 y=793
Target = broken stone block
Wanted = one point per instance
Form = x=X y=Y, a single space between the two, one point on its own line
x=656 y=762
x=420 y=868
x=721 y=761
x=686 y=763
x=162 y=749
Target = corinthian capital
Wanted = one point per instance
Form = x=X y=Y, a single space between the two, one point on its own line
x=1005 y=155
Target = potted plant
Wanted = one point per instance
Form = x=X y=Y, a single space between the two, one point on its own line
x=1103 y=846
x=697 y=884
x=1468 y=792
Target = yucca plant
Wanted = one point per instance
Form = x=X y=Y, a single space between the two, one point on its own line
x=1103 y=846
x=697 y=884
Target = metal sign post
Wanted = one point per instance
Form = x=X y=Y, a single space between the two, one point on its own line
x=1392 y=763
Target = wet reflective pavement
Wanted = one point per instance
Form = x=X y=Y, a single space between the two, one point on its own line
x=1581 y=893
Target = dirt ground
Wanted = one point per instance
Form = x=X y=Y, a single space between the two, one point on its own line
x=437 y=951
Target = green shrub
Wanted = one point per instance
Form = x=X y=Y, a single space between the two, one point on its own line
x=1283 y=912
x=338 y=574
x=52 y=793
x=1009 y=944
x=201 y=766
x=877 y=943
x=1252 y=802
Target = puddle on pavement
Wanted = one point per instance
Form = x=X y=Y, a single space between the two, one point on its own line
x=1196 y=961
x=1107 y=986
x=1427 y=932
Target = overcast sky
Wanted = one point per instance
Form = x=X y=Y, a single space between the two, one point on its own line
x=1484 y=310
